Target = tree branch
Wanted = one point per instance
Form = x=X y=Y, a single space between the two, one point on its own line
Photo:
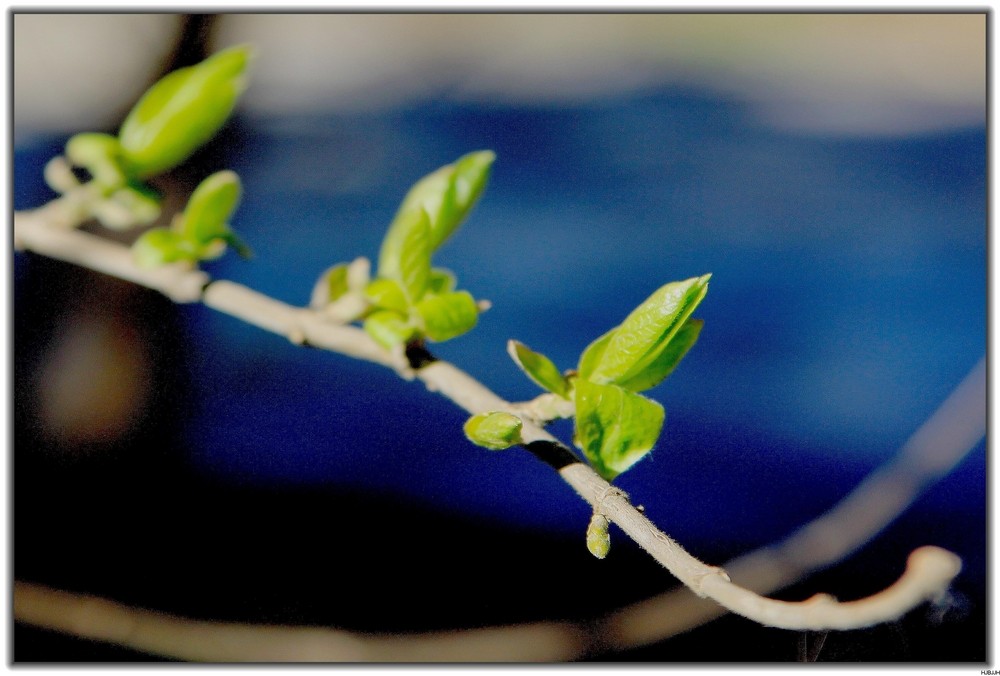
x=929 y=574
x=954 y=429
x=99 y=619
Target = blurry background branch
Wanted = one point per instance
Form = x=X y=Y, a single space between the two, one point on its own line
x=954 y=429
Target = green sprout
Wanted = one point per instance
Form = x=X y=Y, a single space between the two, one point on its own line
x=201 y=232
x=495 y=430
x=178 y=114
x=615 y=425
x=409 y=299
x=175 y=117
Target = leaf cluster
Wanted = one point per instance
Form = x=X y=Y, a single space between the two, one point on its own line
x=615 y=426
x=410 y=299
x=201 y=231
x=171 y=120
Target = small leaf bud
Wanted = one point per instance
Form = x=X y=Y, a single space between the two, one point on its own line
x=598 y=537
x=182 y=111
x=495 y=431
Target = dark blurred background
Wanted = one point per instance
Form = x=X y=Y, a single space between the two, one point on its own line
x=829 y=170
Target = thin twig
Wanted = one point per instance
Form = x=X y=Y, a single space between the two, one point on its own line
x=930 y=572
x=953 y=430
x=99 y=619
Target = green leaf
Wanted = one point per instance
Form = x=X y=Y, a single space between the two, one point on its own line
x=182 y=111
x=100 y=154
x=161 y=246
x=406 y=253
x=448 y=315
x=388 y=328
x=592 y=355
x=495 y=431
x=434 y=193
x=387 y=294
x=469 y=179
x=647 y=331
x=539 y=368
x=615 y=428
x=206 y=216
x=449 y=193
x=441 y=281
x=415 y=259
x=664 y=365
x=87 y=148
x=238 y=245
x=330 y=286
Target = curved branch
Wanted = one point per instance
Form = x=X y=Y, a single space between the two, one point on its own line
x=33 y=232
x=940 y=443
x=99 y=619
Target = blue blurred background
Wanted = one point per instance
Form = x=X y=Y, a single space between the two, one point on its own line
x=848 y=299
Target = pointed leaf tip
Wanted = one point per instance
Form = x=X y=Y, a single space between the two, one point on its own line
x=538 y=368
x=645 y=333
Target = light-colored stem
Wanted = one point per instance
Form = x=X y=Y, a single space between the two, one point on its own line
x=32 y=231
x=181 y=638
x=170 y=636
x=44 y=231
x=940 y=443
x=299 y=325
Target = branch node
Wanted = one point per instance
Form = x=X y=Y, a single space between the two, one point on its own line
x=698 y=579
x=605 y=494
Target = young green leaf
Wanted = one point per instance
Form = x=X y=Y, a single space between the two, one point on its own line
x=415 y=258
x=238 y=245
x=387 y=294
x=160 y=246
x=469 y=178
x=441 y=281
x=388 y=328
x=539 y=368
x=449 y=193
x=100 y=154
x=330 y=286
x=647 y=331
x=448 y=315
x=592 y=355
x=435 y=194
x=495 y=431
x=182 y=111
x=406 y=253
x=663 y=366
x=615 y=428
x=206 y=216
x=88 y=148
